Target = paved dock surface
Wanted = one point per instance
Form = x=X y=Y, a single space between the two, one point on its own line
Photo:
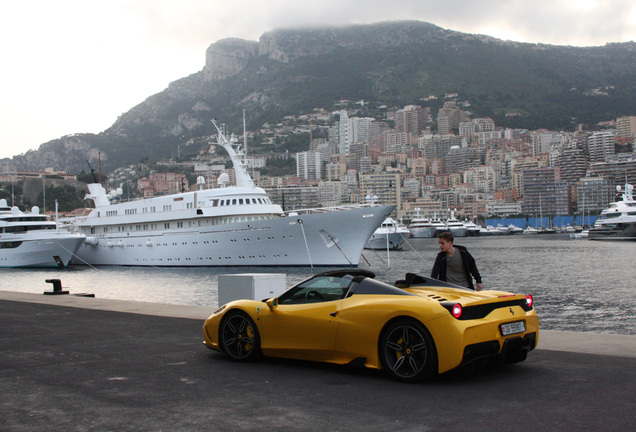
x=76 y=364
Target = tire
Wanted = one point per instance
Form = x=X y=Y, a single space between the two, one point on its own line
x=239 y=337
x=407 y=351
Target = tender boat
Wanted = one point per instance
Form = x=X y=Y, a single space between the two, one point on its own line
x=31 y=239
x=618 y=221
x=225 y=226
x=390 y=235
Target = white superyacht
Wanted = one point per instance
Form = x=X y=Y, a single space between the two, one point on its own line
x=31 y=239
x=421 y=227
x=618 y=221
x=226 y=226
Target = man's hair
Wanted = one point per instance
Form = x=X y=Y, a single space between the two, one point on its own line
x=448 y=236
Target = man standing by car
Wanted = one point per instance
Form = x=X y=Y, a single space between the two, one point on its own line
x=455 y=264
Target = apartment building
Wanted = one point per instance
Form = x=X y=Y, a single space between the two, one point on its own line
x=601 y=145
x=386 y=187
x=412 y=119
x=544 y=193
x=308 y=166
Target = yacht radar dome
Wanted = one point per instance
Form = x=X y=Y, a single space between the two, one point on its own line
x=200 y=183
x=223 y=180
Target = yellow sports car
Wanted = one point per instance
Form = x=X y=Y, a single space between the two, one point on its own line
x=416 y=329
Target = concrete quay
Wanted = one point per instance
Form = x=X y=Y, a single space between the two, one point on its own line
x=88 y=364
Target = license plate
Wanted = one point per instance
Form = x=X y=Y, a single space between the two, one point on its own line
x=512 y=328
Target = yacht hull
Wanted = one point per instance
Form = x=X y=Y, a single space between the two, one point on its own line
x=428 y=232
x=621 y=231
x=330 y=238
x=55 y=251
x=392 y=241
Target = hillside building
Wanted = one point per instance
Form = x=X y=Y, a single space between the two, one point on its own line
x=449 y=117
x=626 y=130
x=386 y=187
x=544 y=193
x=600 y=145
x=412 y=119
x=308 y=166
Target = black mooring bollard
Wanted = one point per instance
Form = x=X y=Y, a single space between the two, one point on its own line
x=57 y=286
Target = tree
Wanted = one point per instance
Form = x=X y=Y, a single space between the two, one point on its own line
x=68 y=198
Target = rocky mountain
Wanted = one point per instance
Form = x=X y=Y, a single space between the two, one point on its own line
x=292 y=71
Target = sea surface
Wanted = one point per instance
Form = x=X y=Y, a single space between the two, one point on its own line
x=578 y=285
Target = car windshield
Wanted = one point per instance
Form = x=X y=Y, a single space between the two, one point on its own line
x=317 y=289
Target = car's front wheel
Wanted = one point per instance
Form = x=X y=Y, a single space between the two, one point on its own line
x=239 y=337
x=407 y=351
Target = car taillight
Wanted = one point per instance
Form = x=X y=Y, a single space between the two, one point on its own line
x=457 y=310
x=529 y=300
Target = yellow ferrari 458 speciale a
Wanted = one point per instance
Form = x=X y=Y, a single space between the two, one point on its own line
x=416 y=329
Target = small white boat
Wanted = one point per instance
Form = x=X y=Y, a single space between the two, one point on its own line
x=580 y=235
x=513 y=229
x=389 y=235
x=530 y=230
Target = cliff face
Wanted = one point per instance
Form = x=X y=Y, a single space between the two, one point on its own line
x=291 y=71
x=228 y=57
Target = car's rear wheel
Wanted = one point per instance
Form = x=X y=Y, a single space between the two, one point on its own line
x=239 y=337
x=407 y=351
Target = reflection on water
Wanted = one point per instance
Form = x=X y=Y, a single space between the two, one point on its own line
x=578 y=285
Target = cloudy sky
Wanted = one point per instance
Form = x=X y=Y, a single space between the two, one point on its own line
x=73 y=66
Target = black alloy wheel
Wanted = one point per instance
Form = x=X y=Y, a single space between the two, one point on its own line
x=239 y=337
x=407 y=351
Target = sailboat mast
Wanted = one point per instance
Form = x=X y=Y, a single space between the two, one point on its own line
x=244 y=139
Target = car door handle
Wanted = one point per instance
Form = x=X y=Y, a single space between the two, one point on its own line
x=333 y=314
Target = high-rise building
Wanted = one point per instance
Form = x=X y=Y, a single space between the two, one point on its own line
x=449 y=117
x=593 y=194
x=330 y=193
x=618 y=169
x=544 y=193
x=360 y=129
x=485 y=124
x=294 y=197
x=460 y=159
x=600 y=146
x=483 y=178
x=437 y=146
x=308 y=165
x=573 y=164
x=344 y=134
x=411 y=119
x=626 y=128
x=518 y=167
x=386 y=187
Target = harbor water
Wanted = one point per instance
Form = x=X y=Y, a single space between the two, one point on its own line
x=578 y=285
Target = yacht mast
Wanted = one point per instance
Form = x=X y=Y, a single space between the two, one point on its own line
x=243 y=179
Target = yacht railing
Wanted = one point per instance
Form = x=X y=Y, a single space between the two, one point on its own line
x=327 y=209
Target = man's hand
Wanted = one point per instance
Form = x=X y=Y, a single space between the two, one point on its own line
x=478 y=287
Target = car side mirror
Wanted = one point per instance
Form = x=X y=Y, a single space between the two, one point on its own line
x=272 y=303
